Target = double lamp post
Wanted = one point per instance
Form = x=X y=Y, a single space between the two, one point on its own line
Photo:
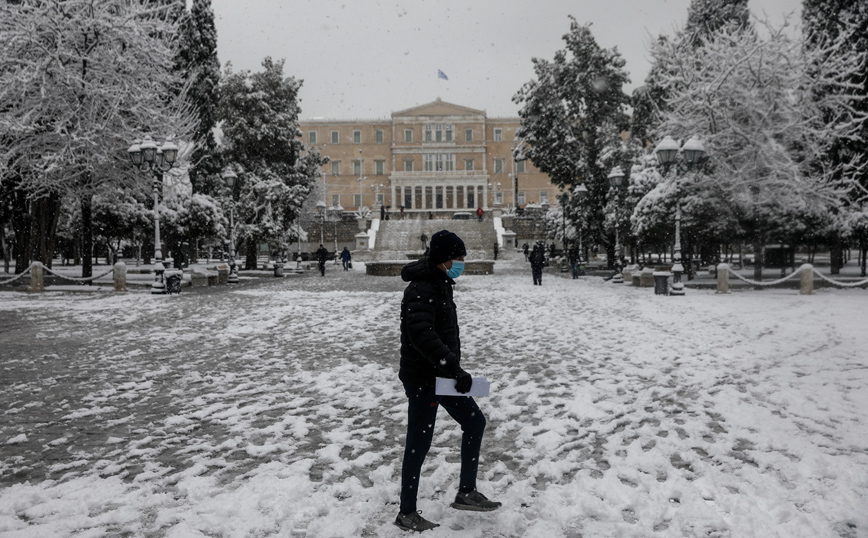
x=667 y=152
x=148 y=157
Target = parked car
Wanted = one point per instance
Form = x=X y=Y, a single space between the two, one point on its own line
x=462 y=215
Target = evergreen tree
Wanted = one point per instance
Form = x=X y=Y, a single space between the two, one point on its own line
x=704 y=19
x=198 y=64
x=571 y=114
x=262 y=140
x=825 y=21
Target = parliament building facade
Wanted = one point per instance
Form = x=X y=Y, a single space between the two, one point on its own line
x=431 y=160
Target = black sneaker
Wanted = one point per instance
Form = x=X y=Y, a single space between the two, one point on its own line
x=414 y=522
x=474 y=501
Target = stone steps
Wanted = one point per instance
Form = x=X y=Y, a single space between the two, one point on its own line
x=396 y=239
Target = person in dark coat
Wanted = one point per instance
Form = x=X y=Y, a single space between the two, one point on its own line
x=537 y=262
x=322 y=255
x=526 y=250
x=496 y=250
x=431 y=348
x=346 y=257
x=382 y=212
x=573 y=258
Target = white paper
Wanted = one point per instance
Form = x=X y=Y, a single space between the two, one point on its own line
x=446 y=387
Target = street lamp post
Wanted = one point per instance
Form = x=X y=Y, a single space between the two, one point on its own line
x=667 y=155
x=320 y=209
x=149 y=157
x=229 y=178
x=335 y=216
x=616 y=179
x=580 y=192
x=361 y=193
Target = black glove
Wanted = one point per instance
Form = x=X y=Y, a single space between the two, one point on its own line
x=463 y=381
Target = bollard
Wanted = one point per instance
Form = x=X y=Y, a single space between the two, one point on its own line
x=807 y=276
x=36 y=275
x=722 y=278
x=120 y=274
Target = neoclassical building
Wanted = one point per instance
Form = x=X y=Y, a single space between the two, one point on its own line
x=436 y=158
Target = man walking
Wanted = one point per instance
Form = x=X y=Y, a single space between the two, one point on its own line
x=430 y=348
x=346 y=257
x=537 y=262
x=322 y=256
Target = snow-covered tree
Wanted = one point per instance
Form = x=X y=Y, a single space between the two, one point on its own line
x=571 y=113
x=79 y=80
x=842 y=19
x=262 y=141
x=766 y=110
x=704 y=19
x=198 y=64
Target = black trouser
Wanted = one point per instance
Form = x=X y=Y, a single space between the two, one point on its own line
x=537 y=273
x=322 y=268
x=346 y=265
x=421 y=414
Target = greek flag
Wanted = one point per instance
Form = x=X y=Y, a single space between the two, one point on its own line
x=441 y=74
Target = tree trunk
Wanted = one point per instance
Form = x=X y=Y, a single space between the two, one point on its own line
x=21 y=224
x=44 y=213
x=86 y=237
x=250 y=258
x=836 y=254
x=758 y=258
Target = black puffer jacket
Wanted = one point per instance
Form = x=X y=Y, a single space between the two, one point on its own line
x=430 y=343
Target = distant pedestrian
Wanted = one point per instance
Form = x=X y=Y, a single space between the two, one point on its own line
x=424 y=239
x=322 y=255
x=431 y=348
x=537 y=262
x=402 y=212
x=388 y=210
x=346 y=257
x=496 y=250
x=573 y=258
x=526 y=250
x=382 y=212
x=479 y=213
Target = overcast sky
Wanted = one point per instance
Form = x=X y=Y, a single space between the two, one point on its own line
x=368 y=58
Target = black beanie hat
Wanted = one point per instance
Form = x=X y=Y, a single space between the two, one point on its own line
x=445 y=246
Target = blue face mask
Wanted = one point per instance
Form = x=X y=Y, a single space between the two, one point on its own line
x=456 y=269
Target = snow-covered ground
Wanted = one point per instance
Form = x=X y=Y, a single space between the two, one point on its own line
x=274 y=409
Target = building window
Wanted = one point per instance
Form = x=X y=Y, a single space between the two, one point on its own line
x=449 y=133
x=440 y=159
x=521 y=198
x=380 y=167
x=498 y=166
x=471 y=202
x=311 y=137
x=543 y=197
x=408 y=135
x=379 y=136
x=428 y=135
x=468 y=135
x=408 y=165
x=519 y=167
x=498 y=197
x=357 y=168
x=498 y=135
x=336 y=168
x=468 y=164
x=380 y=199
x=357 y=200
x=429 y=162
x=336 y=200
x=438 y=133
x=357 y=137
x=408 y=198
x=450 y=162
x=336 y=137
